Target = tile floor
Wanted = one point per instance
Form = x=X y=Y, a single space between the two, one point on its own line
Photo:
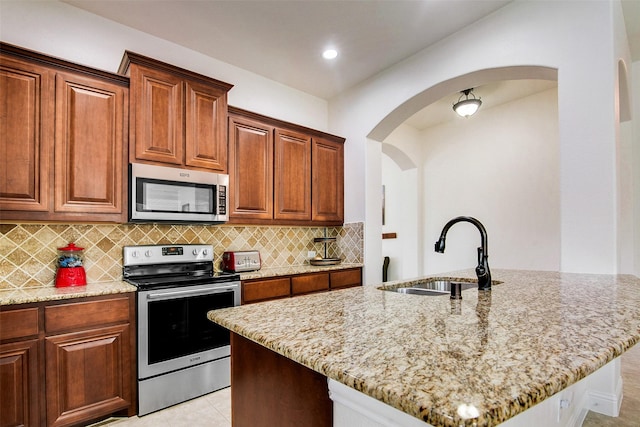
x=211 y=410
x=214 y=410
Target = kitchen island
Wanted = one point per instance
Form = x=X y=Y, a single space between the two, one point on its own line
x=482 y=360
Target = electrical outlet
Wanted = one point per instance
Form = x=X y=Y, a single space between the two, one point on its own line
x=311 y=254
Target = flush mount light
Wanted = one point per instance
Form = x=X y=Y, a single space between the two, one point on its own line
x=467 y=107
x=330 y=54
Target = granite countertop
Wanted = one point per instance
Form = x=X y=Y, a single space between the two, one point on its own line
x=294 y=269
x=501 y=351
x=51 y=293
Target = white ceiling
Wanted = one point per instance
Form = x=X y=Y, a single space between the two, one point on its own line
x=283 y=40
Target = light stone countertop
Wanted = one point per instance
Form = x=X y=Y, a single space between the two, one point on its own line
x=51 y=293
x=501 y=351
x=294 y=269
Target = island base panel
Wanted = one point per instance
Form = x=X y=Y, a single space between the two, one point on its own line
x=268 y=389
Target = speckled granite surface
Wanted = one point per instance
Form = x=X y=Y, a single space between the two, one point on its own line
x=501 y=351
x=293 y=269
x=29 y=295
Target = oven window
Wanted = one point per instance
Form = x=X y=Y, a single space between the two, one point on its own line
x=178 y=327
x=155 y=195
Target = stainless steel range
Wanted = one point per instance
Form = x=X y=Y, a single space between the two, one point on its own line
x=181 y=354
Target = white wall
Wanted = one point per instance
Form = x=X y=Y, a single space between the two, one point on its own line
x=402 y=179
x=500 y=166
x=635 y=160
x=522 y=34
x=64 y=31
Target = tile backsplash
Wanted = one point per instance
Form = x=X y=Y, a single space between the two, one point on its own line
x=28 y=251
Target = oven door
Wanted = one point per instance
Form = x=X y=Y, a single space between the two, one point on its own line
x=174 y=331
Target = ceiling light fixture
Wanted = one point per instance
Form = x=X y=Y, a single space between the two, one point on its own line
x=330 y=54
x=467 y=107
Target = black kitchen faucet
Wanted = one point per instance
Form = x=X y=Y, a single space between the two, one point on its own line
x=482 y=270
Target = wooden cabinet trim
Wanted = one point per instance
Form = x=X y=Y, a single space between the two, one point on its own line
x=239 y=112
x=61 y=64
x=135 y=58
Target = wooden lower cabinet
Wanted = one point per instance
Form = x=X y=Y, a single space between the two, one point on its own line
x=262 y=290
x=20 y=384
x=308 y=283
x=67 y=363
x=256 y=290
x=268 y=389
x=345 y=278
x=86 y=374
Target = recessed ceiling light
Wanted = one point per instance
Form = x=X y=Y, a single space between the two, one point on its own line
x=330 y=54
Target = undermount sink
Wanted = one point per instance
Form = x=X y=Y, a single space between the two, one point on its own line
x=431 y=287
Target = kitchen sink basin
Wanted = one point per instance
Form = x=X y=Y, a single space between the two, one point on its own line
x=433 y=287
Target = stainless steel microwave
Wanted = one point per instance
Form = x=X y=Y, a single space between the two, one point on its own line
x=165 y=194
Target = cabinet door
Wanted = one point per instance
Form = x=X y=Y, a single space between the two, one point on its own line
x=328 y=181
x=87 y=374
x=345 y=278
x=292 y=176
x=261 y=290
x=205 y=132
x=307 y=283
x=251 y=169
x=89 y=145
x=26 y=145
x=156 y=116
x=19 y=384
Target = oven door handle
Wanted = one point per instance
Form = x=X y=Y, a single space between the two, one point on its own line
x=209 y=291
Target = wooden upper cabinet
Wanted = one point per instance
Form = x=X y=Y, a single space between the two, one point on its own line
x=328 y=180
x=178 y=117
x=65 y=130
x=282 y=173
x=205 y=127
x=26 y=120
x=292 y=175
x=156 y=116
x=250 y=169
x=89 y=149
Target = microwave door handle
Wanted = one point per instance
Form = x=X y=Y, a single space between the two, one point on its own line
x=211 y=291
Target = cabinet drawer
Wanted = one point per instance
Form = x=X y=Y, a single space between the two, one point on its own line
x=18 y=323
x=261 y=290
x=63 y=317
x=346 y=278
x=309 y=283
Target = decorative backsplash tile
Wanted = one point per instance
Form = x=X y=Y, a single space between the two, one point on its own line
x=28 y=251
